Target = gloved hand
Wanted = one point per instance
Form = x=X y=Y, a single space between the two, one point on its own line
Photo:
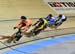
x=14 y=27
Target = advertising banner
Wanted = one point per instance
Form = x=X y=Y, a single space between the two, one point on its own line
x=61 y=6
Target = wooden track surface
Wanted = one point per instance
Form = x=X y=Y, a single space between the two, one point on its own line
x=30 y=8
x=11 y=9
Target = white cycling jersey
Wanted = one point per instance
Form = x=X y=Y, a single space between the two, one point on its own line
x=63 y=17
